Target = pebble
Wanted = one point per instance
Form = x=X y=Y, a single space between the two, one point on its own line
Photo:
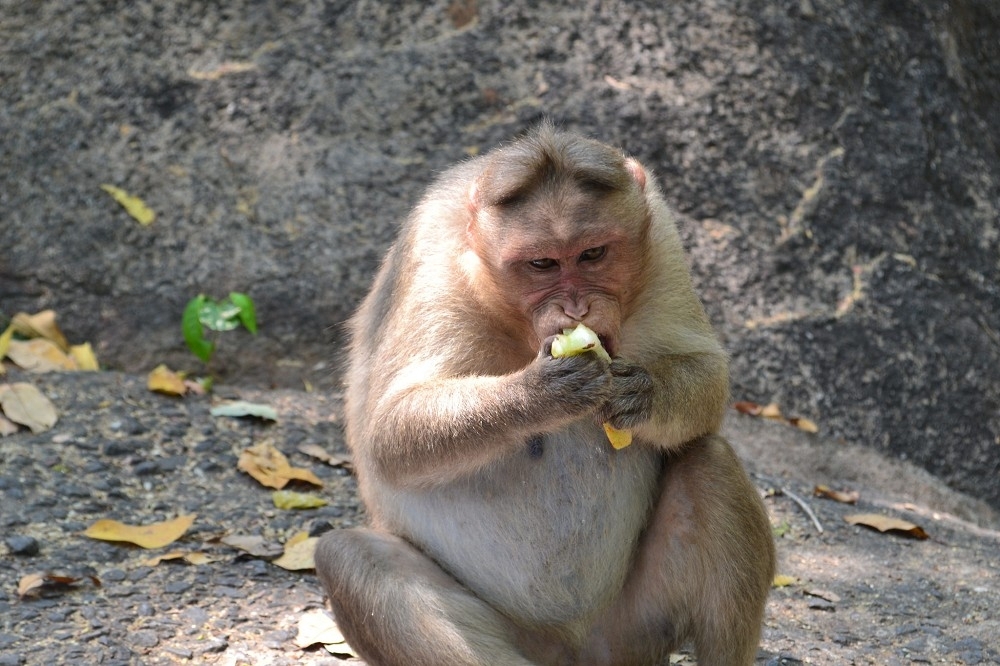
x=177 y=586
x=144 y=638
x=25 y=546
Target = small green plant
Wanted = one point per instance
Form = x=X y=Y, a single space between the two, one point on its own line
x=203 y=312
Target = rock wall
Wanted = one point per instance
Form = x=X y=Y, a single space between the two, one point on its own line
x=834 y=164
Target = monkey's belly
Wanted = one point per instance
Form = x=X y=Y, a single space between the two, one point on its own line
x=546 y=535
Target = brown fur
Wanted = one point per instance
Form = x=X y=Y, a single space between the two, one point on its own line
x=505 y=529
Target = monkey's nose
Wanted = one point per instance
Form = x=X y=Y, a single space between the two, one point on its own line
x=576 y=311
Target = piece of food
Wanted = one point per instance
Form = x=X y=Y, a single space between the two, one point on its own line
x=573 y=341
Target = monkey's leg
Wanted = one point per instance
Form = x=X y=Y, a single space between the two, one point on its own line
x=702 y=572
x=397 y=607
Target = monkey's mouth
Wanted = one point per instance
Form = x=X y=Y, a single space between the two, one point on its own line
x=608 y=343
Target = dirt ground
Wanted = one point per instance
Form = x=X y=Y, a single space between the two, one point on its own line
x=120 y=451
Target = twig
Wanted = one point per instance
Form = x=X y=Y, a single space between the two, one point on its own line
x=805 y=507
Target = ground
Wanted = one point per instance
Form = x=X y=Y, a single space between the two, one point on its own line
x=120 y=451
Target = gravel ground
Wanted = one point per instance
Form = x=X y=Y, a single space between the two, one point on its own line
x=122 y=452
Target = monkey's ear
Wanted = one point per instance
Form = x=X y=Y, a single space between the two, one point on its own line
x=637 y=172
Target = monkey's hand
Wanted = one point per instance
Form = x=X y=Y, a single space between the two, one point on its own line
x=577 y=384
x=631 y=401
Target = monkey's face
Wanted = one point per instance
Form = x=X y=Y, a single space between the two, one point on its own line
x=563 y=257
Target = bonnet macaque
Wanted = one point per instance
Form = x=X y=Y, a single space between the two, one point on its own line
x=505 y=529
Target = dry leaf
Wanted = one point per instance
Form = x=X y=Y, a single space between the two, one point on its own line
x=298 y=537
x=7 y=427
x=270 y=467
x=5 y=339
x=155 y=535
x=133 y=205
x=317 y=626
x=804 y=424
x=887 y=524
x=187 y=556
x=30 y=584
x=40 y=325
x=164 y=380
x=832 y=597
x=36 y=583
x=84 y=356
x=289 y=499
x=255 y=545
x=226 y=68
x=782 y=580
x=746 y=407
x=333 y=459
x=771 y=411
x=39 y=355
x=299 y=555
x=845 y=497
x=25 y=404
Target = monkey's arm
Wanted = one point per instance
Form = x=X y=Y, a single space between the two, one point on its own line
x=671 y=399
x=435 y=430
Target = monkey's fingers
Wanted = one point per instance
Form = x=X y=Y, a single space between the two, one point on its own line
x=577 y=341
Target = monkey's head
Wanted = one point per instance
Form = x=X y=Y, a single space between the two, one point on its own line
x=559 y=226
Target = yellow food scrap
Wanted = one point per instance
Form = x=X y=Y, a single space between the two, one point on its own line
x=619 y=438
x=577 y=341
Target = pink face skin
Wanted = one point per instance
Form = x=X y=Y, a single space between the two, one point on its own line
x=564 y=284
x=565 y=253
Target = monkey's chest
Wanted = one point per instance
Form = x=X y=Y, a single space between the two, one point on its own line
x=546 y=534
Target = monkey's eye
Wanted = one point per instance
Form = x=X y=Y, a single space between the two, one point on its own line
x=593 y=254
x=543 y=264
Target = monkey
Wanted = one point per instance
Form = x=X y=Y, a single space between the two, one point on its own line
x=504 y=530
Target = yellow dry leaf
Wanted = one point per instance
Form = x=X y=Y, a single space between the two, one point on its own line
x=289 y=499
x=33 y=584
x=299 y=555
x=25 y=404
x=298 y=537
x=270 y=467
x=40 y=325
x=189 y=557
x=39 y=355
x=781 y=580
x=133 y=205
x=887 y=524
x=5 y=339
x=155 y=535
x=164 y=380
x=84 y=356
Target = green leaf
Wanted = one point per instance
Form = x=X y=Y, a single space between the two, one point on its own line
x=248 y=313
x=194 y=334
x=219 y=316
